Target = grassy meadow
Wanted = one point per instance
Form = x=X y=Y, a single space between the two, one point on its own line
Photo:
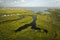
x=12 y=19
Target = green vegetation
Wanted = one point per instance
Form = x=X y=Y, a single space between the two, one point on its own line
x=39 y=13
x=45 y=21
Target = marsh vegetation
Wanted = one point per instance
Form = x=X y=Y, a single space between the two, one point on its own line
x=35 y=26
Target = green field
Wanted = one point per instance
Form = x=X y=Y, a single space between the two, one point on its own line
x=44 y=21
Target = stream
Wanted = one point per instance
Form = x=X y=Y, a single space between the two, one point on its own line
x=33 y=24
x=19 y=18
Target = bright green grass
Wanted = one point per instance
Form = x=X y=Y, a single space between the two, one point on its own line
x=43 y=21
